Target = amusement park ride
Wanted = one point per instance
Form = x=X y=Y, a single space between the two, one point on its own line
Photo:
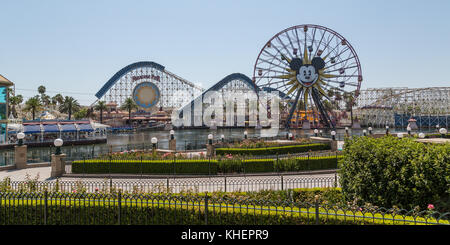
x=306 y=64
x=316 y=73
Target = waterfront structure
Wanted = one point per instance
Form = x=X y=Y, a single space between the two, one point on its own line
x=4 y=105
x=46 y=131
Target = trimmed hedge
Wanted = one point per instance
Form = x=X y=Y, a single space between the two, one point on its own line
x=204 y=166
x=288 y=149
x=145 y=166
x=389 y=171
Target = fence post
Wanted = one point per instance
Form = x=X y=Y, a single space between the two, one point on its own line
x=209 y=166
x=45 y=206
x=206 y=208
x=316 y=204
x=282 y=186
x=119 y=208
x=225 y=178
x=335 y=180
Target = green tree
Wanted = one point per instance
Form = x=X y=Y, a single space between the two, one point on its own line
x=82 y=113
x=13 y=102
x=34 y=105
x=58 y=98
x=129 y=105
x=69 y=106
x=41 y=90
x=100 y=106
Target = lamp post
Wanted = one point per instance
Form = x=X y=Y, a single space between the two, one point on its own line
x=245 y=134
x=154 y=141
x=58 y=143
x=421 y=135
x=222 y=138
x=387 y=129
x=400 y=135
x=364 y=132
x=370 y=130
x=290 y=136
x=333 y=135
x=316 y=132
x=409 y=130
x=443 y=132
x=20 y=137
x=172 y=141
x=320 y=131
x=210 y=138
x=346 y=131
x=287 y=135
x=437 y=127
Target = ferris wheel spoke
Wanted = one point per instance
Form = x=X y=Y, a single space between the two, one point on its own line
x=299 y=44
x=290 y=42
x=275 y=57
x=284 y=46
x=340 y=62
x=344 y=68
x=318 y=45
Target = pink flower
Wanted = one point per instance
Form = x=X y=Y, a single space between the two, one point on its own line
x=430 y=206
x=74 y=191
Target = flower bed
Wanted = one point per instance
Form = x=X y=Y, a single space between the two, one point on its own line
x=289 y=149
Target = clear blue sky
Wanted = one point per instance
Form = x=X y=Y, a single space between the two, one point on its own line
x=76 y=46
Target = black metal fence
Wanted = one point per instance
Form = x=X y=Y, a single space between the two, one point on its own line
x=51 y=208
x=174 y=185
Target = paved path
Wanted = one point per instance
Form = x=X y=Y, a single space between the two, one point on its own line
x=210 y=184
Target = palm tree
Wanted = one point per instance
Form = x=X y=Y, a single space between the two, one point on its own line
x=101 y=106
x=58 y=98
x=33 y=104
x=69 y=105
x=129 y=105
x=15 y=101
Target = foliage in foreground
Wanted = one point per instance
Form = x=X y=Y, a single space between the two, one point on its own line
x=389 y=171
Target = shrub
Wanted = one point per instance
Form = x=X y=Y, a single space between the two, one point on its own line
x=388 y=171
x=289 y=149
x=198 y=166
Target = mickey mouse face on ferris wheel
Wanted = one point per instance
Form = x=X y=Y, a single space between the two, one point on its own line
x=307 y=74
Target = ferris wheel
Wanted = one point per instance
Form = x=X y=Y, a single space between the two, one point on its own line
x=310 y=66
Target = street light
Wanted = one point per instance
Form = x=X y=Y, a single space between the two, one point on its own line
x=422 y=135
x=443 y=132
x=154 y=141
x=409 y=130
x=400 y=135
x=387 y=129
x=316 y=132
x=370 y=130
x=245 y=134
x=172 y=134
x=222 y=137
x=210 y=138
x=290 y=136
x=320 y=132
x=364 y=132
x=58 y=143
x=333 y=135
x=20 y=137
x=346 y=131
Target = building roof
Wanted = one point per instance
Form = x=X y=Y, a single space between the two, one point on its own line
x=4 y=81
